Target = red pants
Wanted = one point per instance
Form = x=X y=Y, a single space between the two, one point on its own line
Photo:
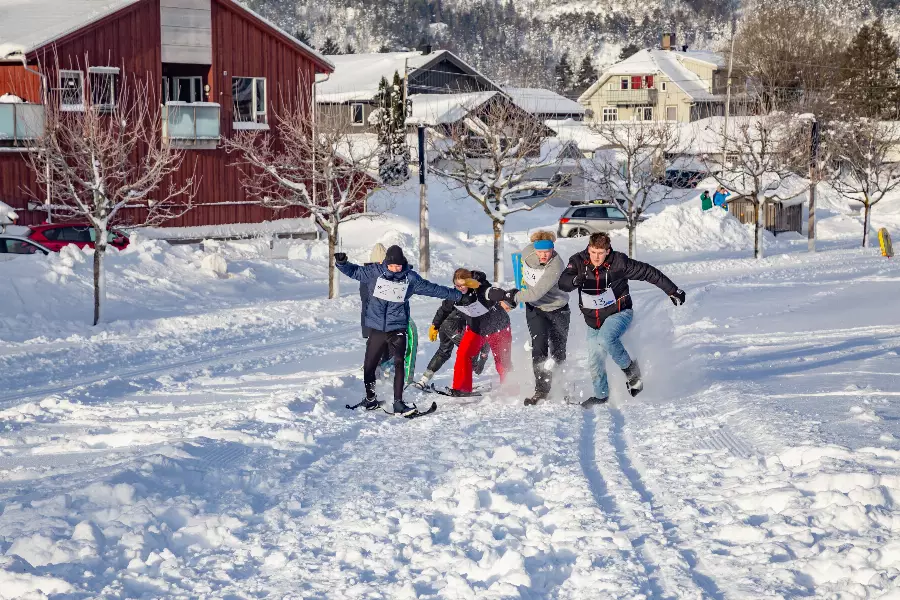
x=471 y=343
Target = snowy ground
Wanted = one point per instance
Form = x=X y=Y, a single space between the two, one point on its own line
x=197 y=445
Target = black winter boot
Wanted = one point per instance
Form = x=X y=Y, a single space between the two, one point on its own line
x=634 y=383
x=403 y=409
x=537 y=397
x=593 y=401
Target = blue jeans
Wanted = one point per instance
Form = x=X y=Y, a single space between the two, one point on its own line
x=606 y=341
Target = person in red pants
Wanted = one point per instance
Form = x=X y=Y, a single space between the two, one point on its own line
x=486 y=322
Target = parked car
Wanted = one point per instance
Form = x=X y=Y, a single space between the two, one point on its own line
x=16 y=244
x=584 y=220
x=55 y=236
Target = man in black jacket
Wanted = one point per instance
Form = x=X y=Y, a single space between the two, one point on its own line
x=601 y=277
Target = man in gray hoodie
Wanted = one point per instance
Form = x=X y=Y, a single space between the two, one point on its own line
x=546 y=310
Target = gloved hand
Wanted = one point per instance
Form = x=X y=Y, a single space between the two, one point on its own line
x=678 y=298
x=432 y=333
x=495 y=294
x=340 y=257
x=511 y=296
x=472 y=284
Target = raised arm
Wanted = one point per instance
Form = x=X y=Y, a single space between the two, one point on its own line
x=423 y=287
x=572 y=276
x=361 y=273
x=552 y=273
x=640 y=271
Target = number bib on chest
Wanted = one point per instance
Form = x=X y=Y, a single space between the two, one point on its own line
x=476 y=309
x=531 y=276
x=604 y=300
x=392 y=291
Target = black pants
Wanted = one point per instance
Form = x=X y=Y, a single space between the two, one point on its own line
x=549 y=334
x=394 y=342
x=448 y=338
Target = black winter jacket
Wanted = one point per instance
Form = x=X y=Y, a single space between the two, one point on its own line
x=495 y=320
x=614 y=273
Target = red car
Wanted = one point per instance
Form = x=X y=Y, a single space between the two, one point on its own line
x=55 y=236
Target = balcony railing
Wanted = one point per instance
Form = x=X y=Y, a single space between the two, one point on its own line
x=644 y=96
x=21 y=122
x=190 y=121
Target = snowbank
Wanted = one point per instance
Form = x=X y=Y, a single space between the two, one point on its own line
x=7 y=214
x=686 y=227
x=234 y=230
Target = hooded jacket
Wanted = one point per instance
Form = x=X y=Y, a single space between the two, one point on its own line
x=378 y=254
x=493 y=321
x=614 y=273
x=384 y=315
x=545 y=294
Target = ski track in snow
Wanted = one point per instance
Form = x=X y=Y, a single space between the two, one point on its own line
x=750 y=467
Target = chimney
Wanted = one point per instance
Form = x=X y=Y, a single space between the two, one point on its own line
x=425 y=49
x=668 y=41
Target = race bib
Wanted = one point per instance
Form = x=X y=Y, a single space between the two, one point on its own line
x=392 y=291
x=530 y=275
x=607 y=298
x=476 y=309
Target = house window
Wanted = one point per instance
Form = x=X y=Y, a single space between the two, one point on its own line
x=671 y=113
x=71 y=90
x=184 y=89
x=623 y=83
x=102 y=82
x=610 y=113
x=356 y=114
x=249 y=98
x=644 y=113
x=663 y=86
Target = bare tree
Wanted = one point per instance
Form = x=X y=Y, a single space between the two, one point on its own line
x=106 y=161
x=324 y=170
x=630 y=168
x=497 y=153
x=867 y=163
x=761 y=165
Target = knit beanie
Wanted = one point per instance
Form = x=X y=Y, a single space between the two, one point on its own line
x=377 y=254
x=394 y=256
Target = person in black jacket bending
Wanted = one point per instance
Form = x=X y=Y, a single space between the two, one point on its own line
x=601 y=276
x=449 y=325
x=486 y=322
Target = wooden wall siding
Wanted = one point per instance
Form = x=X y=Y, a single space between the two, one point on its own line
x=131 y=40
x=16 y=80
x=445 y=77
x=777 y=218
x=186 y=34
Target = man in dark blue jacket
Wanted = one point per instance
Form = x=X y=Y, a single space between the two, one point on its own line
x=387 y=315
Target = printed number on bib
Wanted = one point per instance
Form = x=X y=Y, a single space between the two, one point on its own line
x=607 y=298
x=476 y=309
x=392 y=291
x=531 y=276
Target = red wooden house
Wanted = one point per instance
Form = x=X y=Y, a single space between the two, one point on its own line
x=219 y=68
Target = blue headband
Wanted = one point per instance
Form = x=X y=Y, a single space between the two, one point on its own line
x=543 y=245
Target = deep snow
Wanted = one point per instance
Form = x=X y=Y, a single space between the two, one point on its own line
x=197 y=445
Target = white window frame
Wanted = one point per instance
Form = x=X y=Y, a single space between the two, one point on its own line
x=362 y=109
x=112 y=73
x=260 y=116
x=610 y=111
x=672 y=108
x=626 y=81
x=662 y=86
x=641 y=113
x=196 y=83
x=70 y=73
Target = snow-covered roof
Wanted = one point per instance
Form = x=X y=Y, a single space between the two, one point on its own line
x=29 y=24
x=539 y=101
x=356 y=76
x=26 y=25
x=440 y=109
x=579 y=132
x=670 y=63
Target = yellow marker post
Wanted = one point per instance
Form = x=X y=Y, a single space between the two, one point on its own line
x=884 y=238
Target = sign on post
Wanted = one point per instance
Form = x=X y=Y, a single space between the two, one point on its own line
x=518 y=275
x=884 y=238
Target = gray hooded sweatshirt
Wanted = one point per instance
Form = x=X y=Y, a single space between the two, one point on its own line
x=546 y=294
